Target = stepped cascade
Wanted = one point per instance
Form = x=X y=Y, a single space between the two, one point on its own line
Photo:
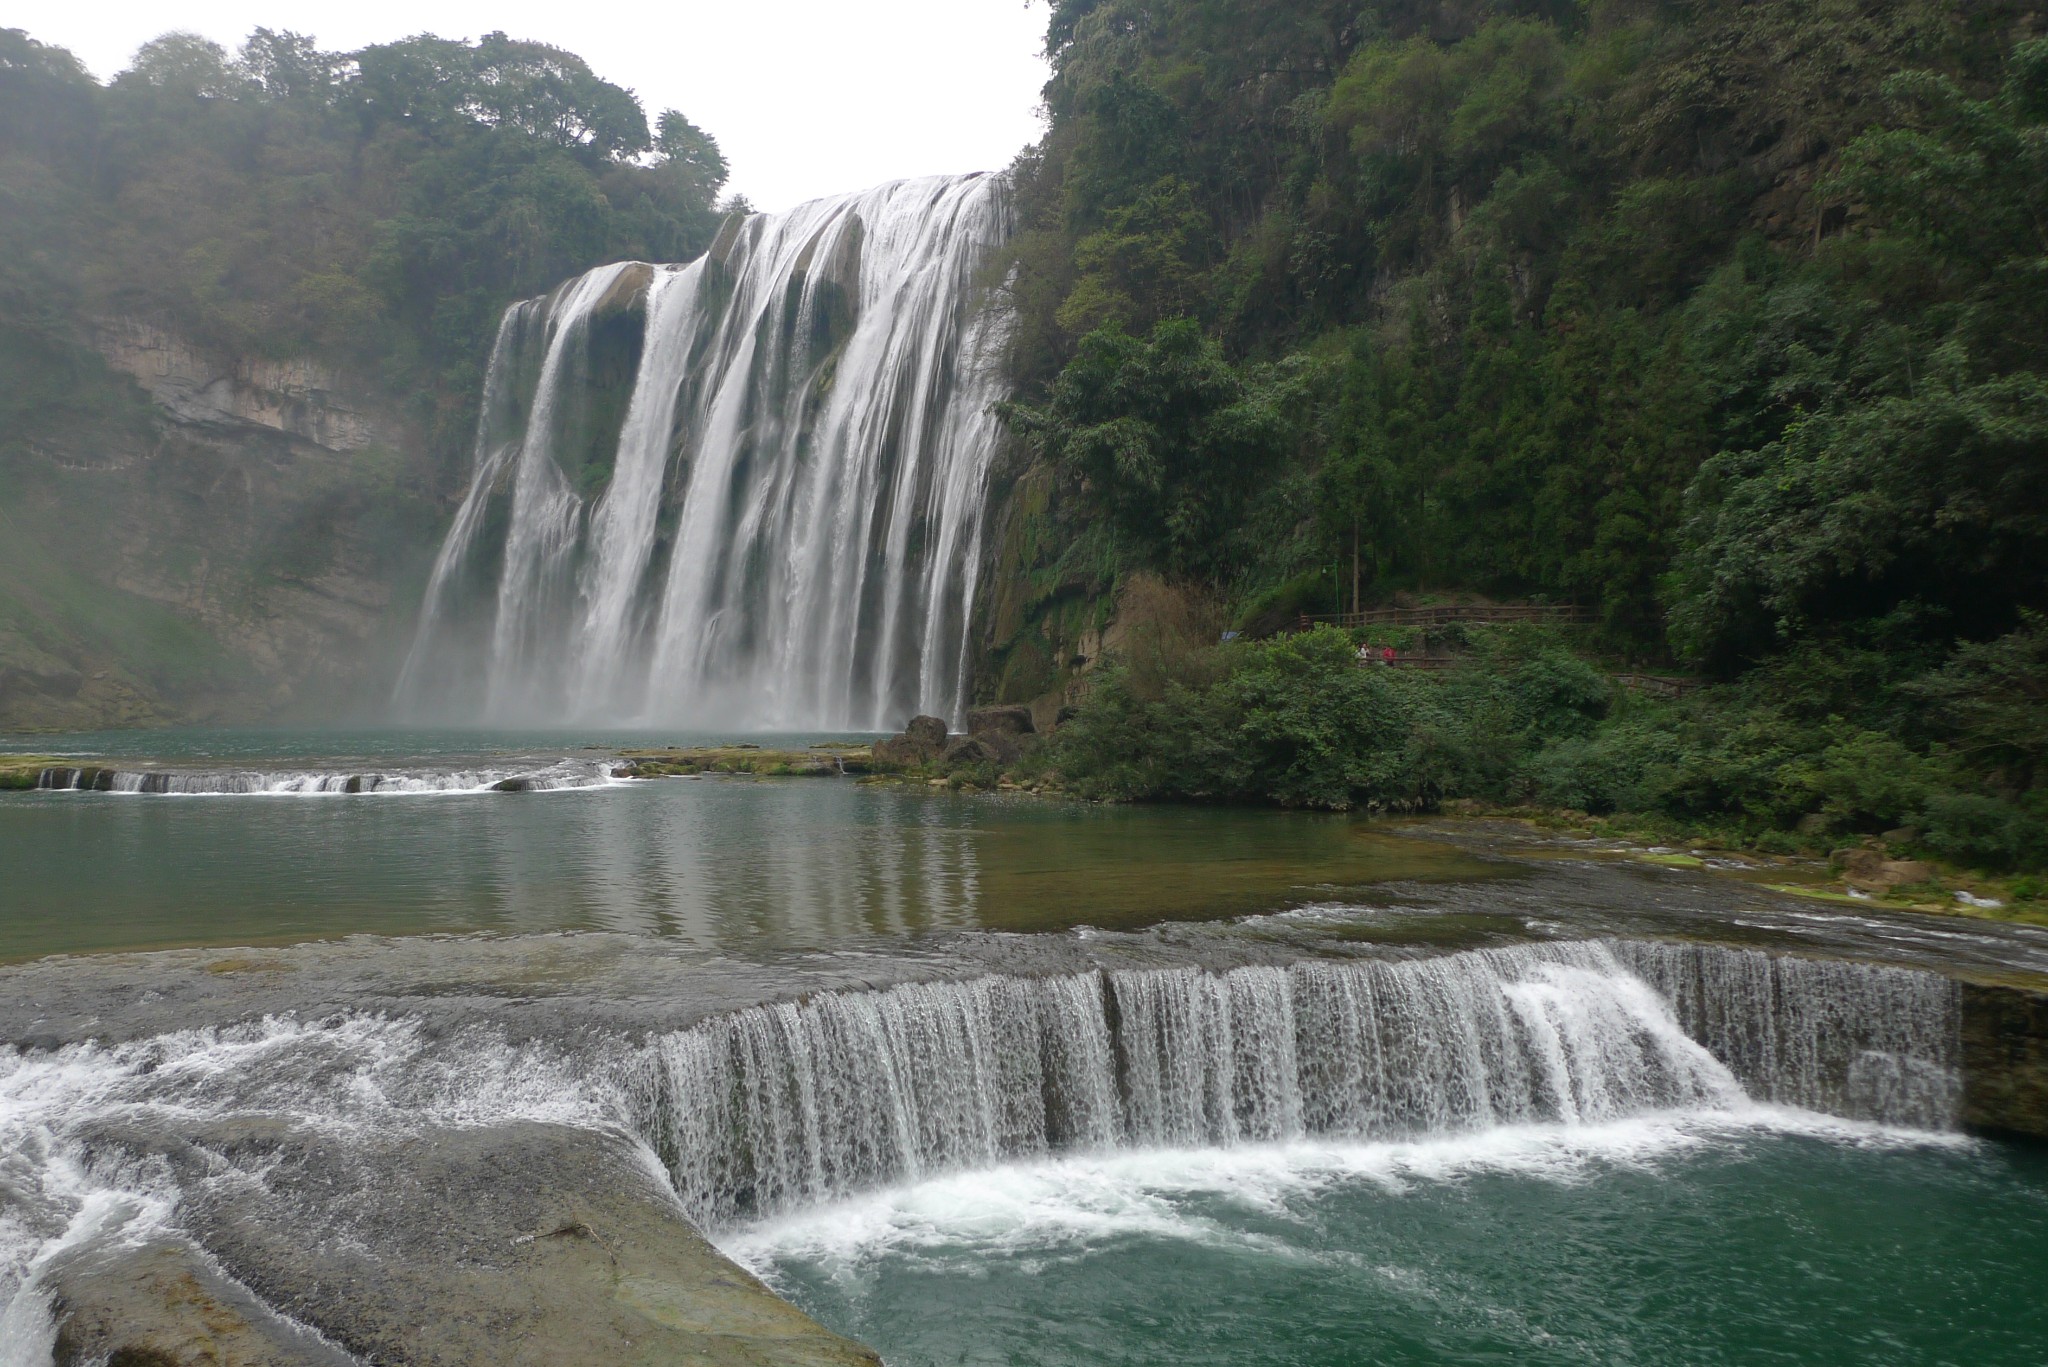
x=777 y=1107
x=748 y=491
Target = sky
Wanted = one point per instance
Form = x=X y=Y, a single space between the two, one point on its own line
x=806 y=97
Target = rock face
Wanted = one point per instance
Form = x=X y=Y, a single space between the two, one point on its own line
x=1867 y=869
x=1002 y=731
x=520 y=1245
x=2005 y=1059
x=220 y=540
x=297 y=398
x=922 y=741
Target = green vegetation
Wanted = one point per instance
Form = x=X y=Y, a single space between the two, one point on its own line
x=374 y=209
x=372 y=212
x=1728 y=321
x=1526 y=723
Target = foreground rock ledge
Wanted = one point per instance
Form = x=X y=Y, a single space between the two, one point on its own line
x=527 y=1244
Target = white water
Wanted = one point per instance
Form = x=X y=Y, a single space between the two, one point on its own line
x=778 y=1108
x=556 y=777
x=1063 y=1205
x=791 y=528
x=1011 y=1109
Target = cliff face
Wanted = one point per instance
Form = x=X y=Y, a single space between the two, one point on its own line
x=206 y=538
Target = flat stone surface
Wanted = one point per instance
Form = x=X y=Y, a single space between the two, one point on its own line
x=512 y=1245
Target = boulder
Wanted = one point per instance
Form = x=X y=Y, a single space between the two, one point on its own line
x=922 y=741
x=1864 y=867
x=928 y=734
x=1005 y=720
x=964 y=750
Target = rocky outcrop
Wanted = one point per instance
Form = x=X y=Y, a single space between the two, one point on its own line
x=1867 y=869
x=922 y=741
x=295 y=397
x=2005 y=1059
x=224 y=544
x=163 y=1305
x=1003 y=731
x=518 y=1245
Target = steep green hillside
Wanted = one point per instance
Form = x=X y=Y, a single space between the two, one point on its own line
x=1728 y=321
x=245 y=302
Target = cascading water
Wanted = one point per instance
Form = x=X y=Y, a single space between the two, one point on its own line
x=777 y=1107
x=748 y=491
x=770 y=1108
x=529 y=778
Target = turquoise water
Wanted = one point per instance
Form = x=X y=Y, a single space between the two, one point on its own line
x=1794 y=1241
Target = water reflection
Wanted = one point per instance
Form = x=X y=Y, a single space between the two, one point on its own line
x=722 y=864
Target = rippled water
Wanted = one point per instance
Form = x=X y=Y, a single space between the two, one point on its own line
x=1734 y=1232
x=1772 y=1237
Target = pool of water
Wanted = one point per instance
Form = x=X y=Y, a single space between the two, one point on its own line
x=720 y=863
x=1774 y=1238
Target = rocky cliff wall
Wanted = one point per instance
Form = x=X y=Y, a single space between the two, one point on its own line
x=206 y=538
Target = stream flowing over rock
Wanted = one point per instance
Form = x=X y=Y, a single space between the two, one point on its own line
x=748 y=491
x=438 y=1175
x=781 y=1106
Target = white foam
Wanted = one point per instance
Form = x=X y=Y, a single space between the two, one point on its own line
x=1066 y=1206
x=567 y=775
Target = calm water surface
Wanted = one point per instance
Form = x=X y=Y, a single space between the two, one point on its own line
x=723 y=863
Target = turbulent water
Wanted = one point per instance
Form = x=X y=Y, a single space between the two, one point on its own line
x=783 y=1106
x=769 y=1110
x=748 y=491
x=325 y=782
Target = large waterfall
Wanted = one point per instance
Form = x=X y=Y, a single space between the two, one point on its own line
x=772 y=1108
x=748 y=491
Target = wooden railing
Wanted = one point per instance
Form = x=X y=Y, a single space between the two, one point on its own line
x=1555 y=614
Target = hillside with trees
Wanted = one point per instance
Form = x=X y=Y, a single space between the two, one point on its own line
x=1722 y=320
x=245 y=302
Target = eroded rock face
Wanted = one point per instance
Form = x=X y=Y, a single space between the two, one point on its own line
x=298 y=397
x=2005 y=1059
x=923 y=740
x=248 y=524
x=514 y=1245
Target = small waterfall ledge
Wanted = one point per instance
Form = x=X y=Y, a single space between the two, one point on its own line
x=744 y=492
x=768 y=1109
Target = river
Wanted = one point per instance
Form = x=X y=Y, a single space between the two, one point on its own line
x=996 y=1078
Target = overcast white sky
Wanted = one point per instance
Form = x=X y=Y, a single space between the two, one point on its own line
x=807 y=97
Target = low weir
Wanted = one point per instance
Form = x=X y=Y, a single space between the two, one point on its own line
x=776 y=1107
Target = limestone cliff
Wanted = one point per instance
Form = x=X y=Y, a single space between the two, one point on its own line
x=200 y=537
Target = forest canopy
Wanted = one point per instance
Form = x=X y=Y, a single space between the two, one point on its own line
x=377 y=209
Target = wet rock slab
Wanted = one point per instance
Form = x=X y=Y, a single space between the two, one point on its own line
x=514 y=1245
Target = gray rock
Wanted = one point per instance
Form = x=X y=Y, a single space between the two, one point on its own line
x=965 y=750
x=1005 y=720
x=927 y=733
x=518 y=1245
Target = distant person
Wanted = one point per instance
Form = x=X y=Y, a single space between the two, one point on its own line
x=1386 y=655
x=1365 y=654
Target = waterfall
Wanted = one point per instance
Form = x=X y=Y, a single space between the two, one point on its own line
x=530 y=778
x=779 y=1106
x=748 y=491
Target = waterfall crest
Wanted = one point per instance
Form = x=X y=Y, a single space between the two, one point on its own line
x=748 y=491
x=777 y=1107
